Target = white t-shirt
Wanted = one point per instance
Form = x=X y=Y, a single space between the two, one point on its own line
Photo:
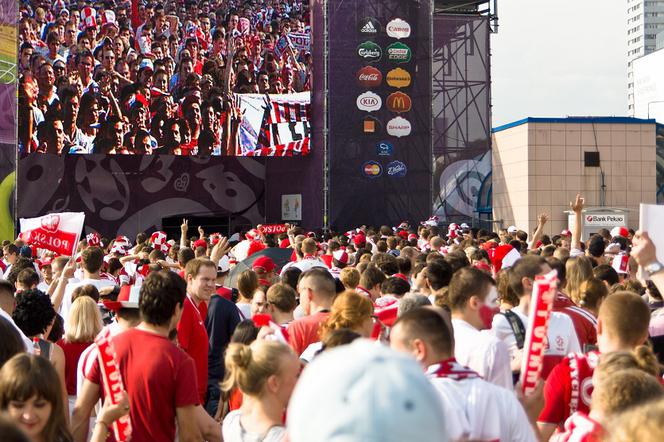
x=562 y=338
x=310 y=352
x=73 y=285
x=245 y=310
x=232 y=431
x=482 y=352
x=478 y=410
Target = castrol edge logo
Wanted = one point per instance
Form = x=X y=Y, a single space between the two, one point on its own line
x=369 y=77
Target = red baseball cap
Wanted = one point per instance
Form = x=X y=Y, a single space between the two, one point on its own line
x=200 y=243
x=265 y=263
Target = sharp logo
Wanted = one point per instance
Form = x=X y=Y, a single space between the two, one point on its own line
x=398 y=78
x=369 y=77
x=398 y=29
x=369 y=102
x=369 y=26
x=399 y=102
x=398 y=53
x=369 y=51
x=399 y=127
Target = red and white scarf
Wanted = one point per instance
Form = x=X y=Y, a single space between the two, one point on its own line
x=451 y=369
x=581 y=368
x=580 y=428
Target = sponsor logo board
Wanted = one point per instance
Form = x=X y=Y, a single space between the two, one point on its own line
x=398 y=53
x=399 y=127
x=399 y=102
x=398 y=29
x=369 y=51
x=369 y=27
x=372 y=169
x=369 y=77
x=398 y=78
x=396 y=169
x=384 y=149
x=369 y=102
x=371 y=125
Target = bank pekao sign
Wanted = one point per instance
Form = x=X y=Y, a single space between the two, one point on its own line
x=605 y=219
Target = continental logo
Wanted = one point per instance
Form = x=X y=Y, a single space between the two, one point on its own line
x=399 y=102
x=398 y=78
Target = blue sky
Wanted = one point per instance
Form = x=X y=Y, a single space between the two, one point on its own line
x=559 y=58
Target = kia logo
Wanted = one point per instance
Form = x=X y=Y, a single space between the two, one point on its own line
x=369 y=102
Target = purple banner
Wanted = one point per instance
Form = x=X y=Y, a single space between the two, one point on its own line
x=379 y=112
x=124 y=195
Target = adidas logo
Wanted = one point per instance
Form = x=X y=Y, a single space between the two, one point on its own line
x=368 y=28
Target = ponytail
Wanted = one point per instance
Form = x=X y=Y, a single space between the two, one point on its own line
x=249 y=366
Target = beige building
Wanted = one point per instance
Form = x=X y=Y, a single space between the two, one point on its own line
x=540 y=164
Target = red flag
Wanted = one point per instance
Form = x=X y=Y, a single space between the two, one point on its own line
x=272 y=229
x=112 y=380
x=58 y=232
x=544 y=292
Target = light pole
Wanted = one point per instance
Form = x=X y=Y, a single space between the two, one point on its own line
x=653 y=102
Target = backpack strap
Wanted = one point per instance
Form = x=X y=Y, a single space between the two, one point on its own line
x=517 y=327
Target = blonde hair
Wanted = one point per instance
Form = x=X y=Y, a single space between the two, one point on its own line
x=249 y=366
x=592 y=292
x=350 y=310
x=350 y=278
x=577 y=270
x=626 y=378
x=642 y=423
x=84 y=321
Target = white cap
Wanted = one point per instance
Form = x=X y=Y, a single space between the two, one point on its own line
x=512 y=229
x=365 y=392
x=224 y=264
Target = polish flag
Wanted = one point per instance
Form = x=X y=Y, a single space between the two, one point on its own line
x=58 y=232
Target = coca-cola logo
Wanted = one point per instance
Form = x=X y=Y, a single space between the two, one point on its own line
x=50 y=223
x=369 y=77
x=396 y=169
x=369 y=102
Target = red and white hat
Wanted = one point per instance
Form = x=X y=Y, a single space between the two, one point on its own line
x=621 y=263
x=127 y=298
x=341 y=256
x=431 y=222
x=119 y=248
x=158 y=238
x=252 y=234
x=566 y=232
x=620 y=231
x=88 y=17
x=108 y=18
x=503 y=257
x=123 y=240
x=93 y=239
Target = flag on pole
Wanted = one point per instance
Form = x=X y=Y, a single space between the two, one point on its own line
x=58 y=232
x=544 y=292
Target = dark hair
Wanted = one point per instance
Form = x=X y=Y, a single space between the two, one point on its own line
x=394 y=286
x=28 y=278
x=339 y=337
x=11 y=342
x=8 y=287
x=596 y=246
x=160 y=293
x=194 y=266
x=20 y=264
x=457 y=260
x=606 y=273
x=428 y=325
x=34 y=312
x=404 y=264
x=466 y=283
x=88 y=290
x=282 y=296
x=559 y=267
x=92 y=259
x=57 y=330
x=371 y=277
x=290 y=276
x=25 y=376
x=438 y=274
x=185 y=255
x=245 y=332
x=527 y=267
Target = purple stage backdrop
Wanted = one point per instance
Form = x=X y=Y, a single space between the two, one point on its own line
x=379 y=111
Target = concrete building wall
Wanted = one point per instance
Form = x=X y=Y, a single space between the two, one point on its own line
x=538 y=167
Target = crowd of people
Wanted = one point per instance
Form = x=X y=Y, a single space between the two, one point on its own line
x=413 y=332
x=164 y=77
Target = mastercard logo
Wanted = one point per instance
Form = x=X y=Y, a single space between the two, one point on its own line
x=372 y=169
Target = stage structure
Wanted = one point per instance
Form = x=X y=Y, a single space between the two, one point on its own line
x=400 y=129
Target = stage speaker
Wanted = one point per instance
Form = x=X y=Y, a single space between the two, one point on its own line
x=591 y=159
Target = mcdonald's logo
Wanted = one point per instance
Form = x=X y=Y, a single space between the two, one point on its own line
x=399 y=102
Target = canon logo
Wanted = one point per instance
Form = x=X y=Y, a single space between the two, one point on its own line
x=398 y=29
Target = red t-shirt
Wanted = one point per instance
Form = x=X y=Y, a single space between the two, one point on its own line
x=193 y=339
x=584 y=322
x=72 y=351
x=158 y=378
x=568 y=388
x=304 y=331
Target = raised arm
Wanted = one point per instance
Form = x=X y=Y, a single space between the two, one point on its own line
x=645 y=254
x=577 y=208
x=183 y=233
x=541 y=221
